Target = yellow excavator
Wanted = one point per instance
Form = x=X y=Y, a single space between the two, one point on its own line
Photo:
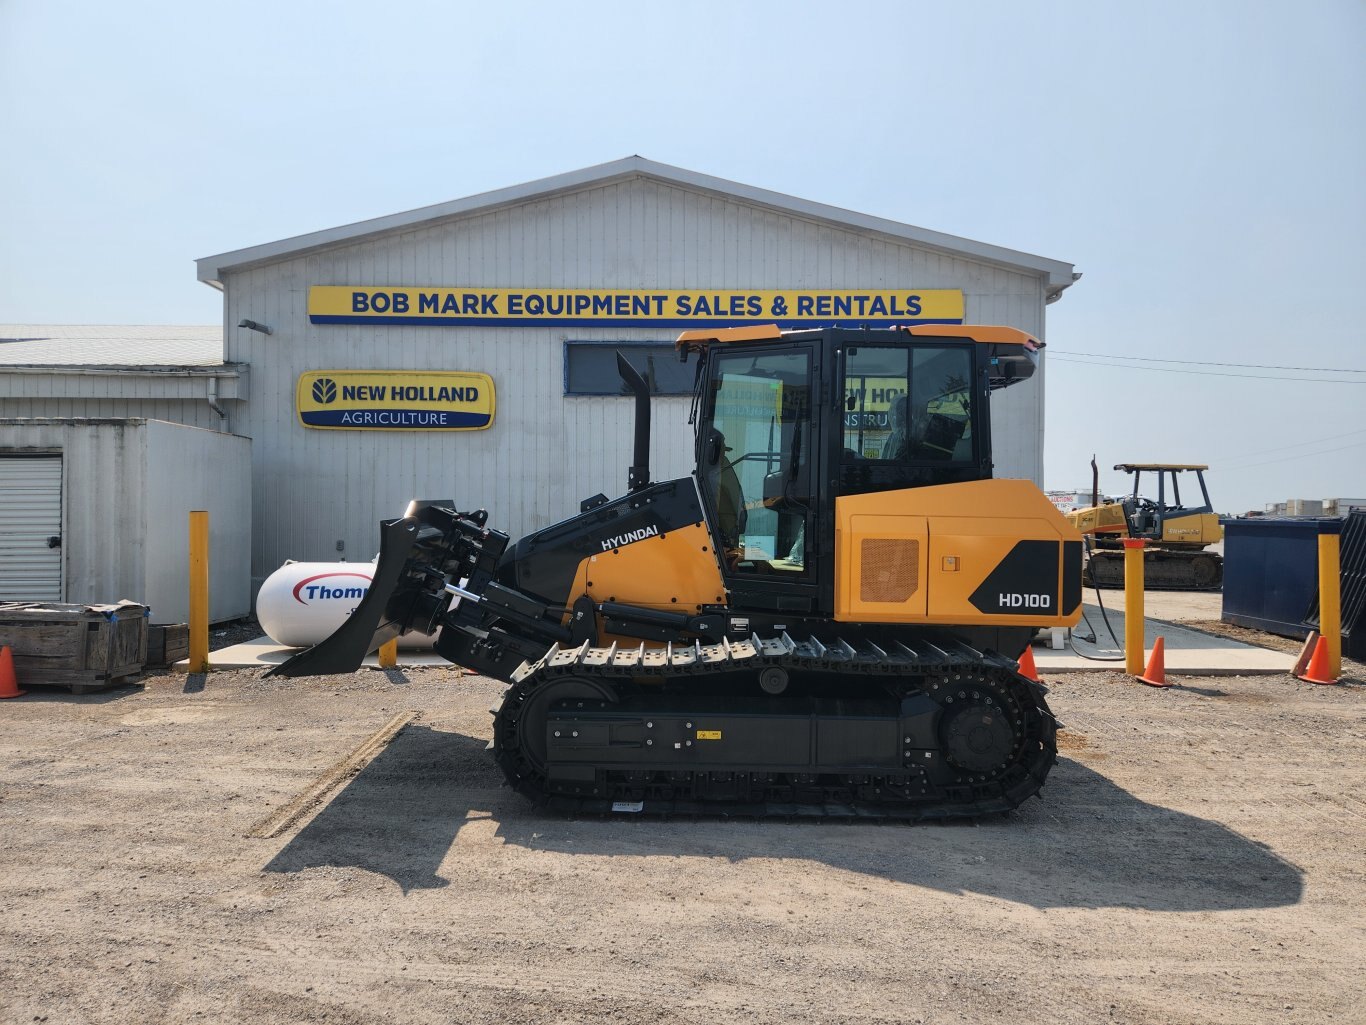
x=1178 y=534
x=822 y=620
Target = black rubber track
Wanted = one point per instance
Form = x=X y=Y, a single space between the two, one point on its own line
x=945 y=670
x=1162 y=571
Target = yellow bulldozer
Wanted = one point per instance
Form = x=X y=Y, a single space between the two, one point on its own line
x=1175 y=558
x=822 y=620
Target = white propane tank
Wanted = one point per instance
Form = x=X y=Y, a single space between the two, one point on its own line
x=302 y=603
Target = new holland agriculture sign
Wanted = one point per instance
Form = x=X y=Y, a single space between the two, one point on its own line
x=592 y=307
x=394 y=400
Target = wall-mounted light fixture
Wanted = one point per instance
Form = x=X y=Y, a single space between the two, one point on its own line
x=251 y=325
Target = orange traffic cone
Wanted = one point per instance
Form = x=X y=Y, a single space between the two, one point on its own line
x=9 y=686
x=1155 y=675
x=1027 y=667
x=1318 y=666
x=1306 y=653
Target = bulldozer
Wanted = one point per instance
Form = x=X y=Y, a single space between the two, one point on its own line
x=820 y=621
x=1174 y=558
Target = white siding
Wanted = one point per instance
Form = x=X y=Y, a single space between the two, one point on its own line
x=188 y=470
x=103 y=502
x=65 y=394
x=125 y=484
x=544 y=452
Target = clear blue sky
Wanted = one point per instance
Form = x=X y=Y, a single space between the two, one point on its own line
x=1201 y=163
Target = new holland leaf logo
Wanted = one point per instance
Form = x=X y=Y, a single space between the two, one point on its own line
x=324 y=390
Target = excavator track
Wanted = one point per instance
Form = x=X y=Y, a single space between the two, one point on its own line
x=937 y=730
x=1163 y=570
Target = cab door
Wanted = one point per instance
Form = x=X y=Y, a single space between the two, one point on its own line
x=758 y=463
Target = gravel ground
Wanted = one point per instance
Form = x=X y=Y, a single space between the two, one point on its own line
x=238 y=631
x=1196 y=857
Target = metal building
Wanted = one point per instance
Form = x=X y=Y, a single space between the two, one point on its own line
x=159 y=372
x=109 y=437
x=93 y=510
x=523 y=285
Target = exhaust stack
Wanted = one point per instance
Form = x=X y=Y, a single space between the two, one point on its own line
x=638 y=477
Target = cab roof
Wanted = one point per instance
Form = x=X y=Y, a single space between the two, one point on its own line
x=1133 y=467
x=987 y=334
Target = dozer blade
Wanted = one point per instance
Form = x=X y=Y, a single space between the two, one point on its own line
x=369 y=626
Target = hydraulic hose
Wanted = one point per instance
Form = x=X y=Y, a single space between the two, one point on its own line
x=1105 y=617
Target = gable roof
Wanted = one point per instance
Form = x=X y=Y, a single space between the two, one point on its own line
x=99 y=345
x=211 y=268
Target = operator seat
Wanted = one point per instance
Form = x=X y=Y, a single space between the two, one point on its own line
x=897 y=444
x=731 y=515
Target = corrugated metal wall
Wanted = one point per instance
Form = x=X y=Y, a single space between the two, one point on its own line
x=193 y=414
x=127 y=489
x=59 y=394
x=103 y=503
x=197 y=469
x=544 y=452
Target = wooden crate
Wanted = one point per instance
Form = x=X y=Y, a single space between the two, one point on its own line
x=84 y=647
x=167 y=644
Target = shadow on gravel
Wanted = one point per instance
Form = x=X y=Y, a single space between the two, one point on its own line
x=399 y=816
x=1087 y=844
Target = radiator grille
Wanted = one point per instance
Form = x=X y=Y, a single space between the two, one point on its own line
x=890 y=569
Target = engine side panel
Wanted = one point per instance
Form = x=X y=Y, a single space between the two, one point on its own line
x=674 y=571
x=983 y=553
x=1101 y=519
x=1198 y=529
x=650 y=548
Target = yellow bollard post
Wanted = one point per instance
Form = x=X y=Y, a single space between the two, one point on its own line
x=199 y=591
x=388 y=654
x=1133 y=606
x=1330 y=594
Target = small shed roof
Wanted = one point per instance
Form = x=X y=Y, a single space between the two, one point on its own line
x=94 y=345
x=212 y=268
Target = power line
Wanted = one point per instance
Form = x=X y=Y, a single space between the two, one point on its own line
x=1286 y=459
x=1207 y=363
x=1283 y=448
x=1207 y=373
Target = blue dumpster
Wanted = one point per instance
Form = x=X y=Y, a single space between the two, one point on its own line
x=1271 y=572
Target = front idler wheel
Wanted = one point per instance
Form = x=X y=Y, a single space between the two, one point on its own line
x=519 y=729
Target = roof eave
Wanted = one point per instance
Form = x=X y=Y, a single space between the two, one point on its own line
x=1057 y=274
x=128 y=369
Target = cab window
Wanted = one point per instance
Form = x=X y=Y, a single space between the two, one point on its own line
x=754 y=460
x=907 y=405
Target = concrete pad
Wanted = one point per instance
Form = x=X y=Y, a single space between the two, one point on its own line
x=263 y=653
x=1188 y=652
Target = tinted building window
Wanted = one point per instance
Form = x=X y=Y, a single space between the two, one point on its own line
x=590 y=368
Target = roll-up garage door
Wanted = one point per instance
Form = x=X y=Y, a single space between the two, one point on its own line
x=30 y=528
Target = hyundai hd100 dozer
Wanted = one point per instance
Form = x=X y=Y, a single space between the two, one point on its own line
x=820 y=621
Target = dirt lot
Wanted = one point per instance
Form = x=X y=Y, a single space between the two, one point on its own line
x=1197 y=857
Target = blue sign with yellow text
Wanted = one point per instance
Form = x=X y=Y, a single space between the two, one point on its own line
x=394 y=400
x=589 y=307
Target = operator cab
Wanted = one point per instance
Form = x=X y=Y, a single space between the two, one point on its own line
x=1147 y=517
x=786 y=422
